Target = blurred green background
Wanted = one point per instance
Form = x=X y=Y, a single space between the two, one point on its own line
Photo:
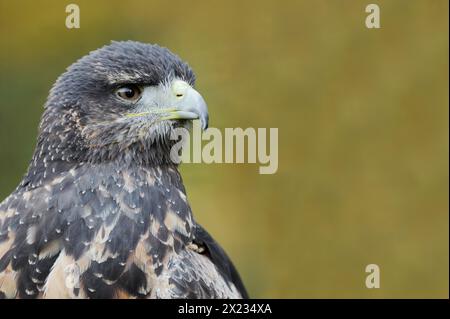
x=363 y=129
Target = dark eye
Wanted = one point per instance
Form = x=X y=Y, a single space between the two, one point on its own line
x=129 y=92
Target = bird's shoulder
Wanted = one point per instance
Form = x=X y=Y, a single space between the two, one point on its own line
x=204 y=270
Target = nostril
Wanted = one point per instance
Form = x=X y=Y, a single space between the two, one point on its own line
x=179 y=95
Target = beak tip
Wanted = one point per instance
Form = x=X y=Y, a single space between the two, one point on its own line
x=205 y=122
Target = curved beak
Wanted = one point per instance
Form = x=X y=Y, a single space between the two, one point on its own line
x=192 y=107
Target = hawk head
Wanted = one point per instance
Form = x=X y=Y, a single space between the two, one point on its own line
x=119 y=102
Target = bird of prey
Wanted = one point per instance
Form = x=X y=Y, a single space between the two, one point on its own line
x=102 y=210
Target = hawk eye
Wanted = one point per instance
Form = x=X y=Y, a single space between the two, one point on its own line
x=129 y=92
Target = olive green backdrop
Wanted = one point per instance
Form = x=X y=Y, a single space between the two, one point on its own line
x=363 y=129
